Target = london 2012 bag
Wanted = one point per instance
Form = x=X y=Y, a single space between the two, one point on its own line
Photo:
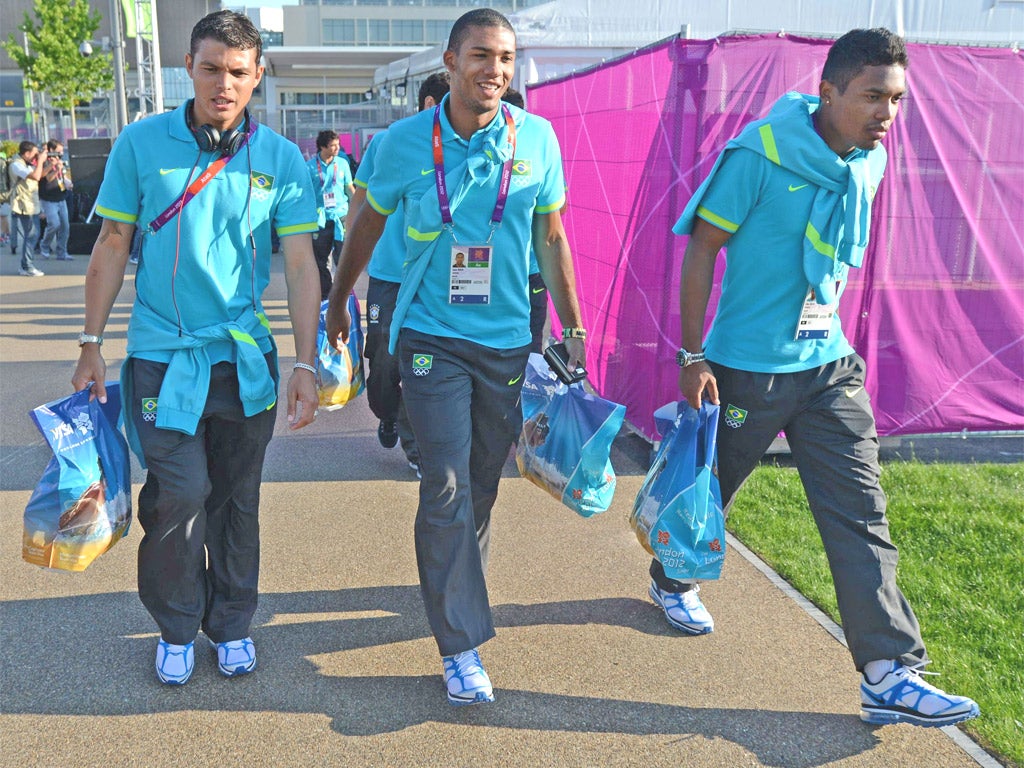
x=678 y=514
x=82 y=504
x=566 y=440
x=340 y=376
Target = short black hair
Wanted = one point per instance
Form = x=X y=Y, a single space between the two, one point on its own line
x=861 y=48
x=26 y=146
x=514 y=97
x=235 y=30
x=325 y=137
x=437 y=85
x=52 y=144
x=481 y=17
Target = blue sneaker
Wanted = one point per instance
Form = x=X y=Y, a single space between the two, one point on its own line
x=901 y=696
x=236 y=657
x=683 y=610
x=174 y=663
x=466 y=680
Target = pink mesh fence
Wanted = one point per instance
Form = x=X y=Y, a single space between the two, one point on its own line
x=938 y=309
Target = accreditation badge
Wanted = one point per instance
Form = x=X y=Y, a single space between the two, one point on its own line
x=470 y=274
x=815 y=319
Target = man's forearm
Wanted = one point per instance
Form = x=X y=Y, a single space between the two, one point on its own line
x=358 y=248
x=696 y=278
x=555 y=261
x=105 y=274
x=303 y=283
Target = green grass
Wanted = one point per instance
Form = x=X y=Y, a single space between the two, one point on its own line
x=960 y=531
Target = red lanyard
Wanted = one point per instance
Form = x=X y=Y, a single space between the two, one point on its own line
x=506 y=170
x=197 y=186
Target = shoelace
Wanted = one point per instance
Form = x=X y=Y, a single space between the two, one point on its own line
x=915 y=672
x=467 y=663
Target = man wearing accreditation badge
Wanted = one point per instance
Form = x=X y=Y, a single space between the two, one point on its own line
x=790 y=198
x=205 y=184
x=332 y=181
x=479 y=178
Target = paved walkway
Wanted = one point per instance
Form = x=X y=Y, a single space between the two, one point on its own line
x=585 y=669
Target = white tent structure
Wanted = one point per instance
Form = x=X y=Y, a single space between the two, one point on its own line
x=559 y=37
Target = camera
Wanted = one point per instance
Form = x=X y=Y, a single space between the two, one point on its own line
x=557 y=357
x=53 y=154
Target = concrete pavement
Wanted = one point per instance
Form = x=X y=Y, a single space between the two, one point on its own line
x=586 y=671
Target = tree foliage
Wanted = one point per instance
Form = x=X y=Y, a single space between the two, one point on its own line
x=52 y=63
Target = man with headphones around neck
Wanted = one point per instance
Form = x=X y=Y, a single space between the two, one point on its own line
x=206 y=185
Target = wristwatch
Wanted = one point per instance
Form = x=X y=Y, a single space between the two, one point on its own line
x=88 y=338
x=684 y=358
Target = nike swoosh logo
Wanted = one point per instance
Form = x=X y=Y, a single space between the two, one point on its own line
x=515 y=380
x=538 y=290
x=852 y=392
x=165 y=171
x=426 y=172
x=794 y=189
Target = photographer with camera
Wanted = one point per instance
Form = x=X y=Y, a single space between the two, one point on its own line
x=24 y=172
x=53 y=198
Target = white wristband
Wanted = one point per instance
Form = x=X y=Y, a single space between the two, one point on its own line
x=305 y=367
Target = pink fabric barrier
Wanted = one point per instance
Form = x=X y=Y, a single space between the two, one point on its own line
x=938 y=309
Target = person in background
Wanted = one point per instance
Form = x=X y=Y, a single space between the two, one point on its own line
x=463 y=341
x=790 y=200
x=53 y=198
x=5 y=203
x=199 y=386
x=538 y=291
x=332 y=180
x=24 y=173
x=384 y=380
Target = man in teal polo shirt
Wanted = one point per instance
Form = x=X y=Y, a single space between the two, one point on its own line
x=332 y=182
x=790 y=198
x=199 y=386
x=481 y=179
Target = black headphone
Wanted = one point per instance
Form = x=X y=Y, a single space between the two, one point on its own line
x=210 y=139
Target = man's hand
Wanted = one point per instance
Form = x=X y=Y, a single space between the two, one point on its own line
x=91 y=369
x=339 y=322
x=302 y=399
x=577 y=352
x=695 y=380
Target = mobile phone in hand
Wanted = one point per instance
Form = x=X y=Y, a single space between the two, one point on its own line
x=558 y=359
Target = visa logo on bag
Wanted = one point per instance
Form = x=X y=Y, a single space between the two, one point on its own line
x=61 y=430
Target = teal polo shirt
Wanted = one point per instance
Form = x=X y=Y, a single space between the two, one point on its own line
x=202 y=271
x=389 y=253
x=333 y=177
x=766 y=209
x=405 y=173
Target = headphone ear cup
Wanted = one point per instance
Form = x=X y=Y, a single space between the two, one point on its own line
x=231 y=142
x=208 y=138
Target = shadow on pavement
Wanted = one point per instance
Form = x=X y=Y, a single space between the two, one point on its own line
x=101 y=664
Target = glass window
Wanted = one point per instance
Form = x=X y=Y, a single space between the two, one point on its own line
x=339 y=31
x=379 y=32
x=406 y=31
x=437 y=31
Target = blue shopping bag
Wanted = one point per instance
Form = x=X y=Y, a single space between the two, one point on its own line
x=339 y=375
x=82 y=504
x=677 y=515
x=566 y=440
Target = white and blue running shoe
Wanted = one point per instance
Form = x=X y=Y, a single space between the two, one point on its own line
x=683 y=610
x=174 y=663
x=236 y=657
x=465 y=679
x=901 y=696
